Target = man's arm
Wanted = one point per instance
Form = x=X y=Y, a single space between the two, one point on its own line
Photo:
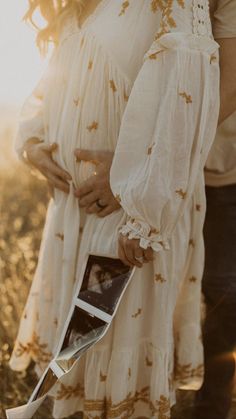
x=227 y=77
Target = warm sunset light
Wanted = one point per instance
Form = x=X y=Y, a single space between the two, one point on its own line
x=21 y=64
x=117 y=209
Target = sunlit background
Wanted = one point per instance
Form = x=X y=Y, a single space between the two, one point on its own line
x=22 y=197
x=22 y=200
x=20 y=64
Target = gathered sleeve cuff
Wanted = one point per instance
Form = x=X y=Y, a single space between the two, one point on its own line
x=148 y=237
x=167 y=130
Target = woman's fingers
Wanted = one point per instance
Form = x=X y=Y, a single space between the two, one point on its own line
x=56 y=170
x=148 y=255
x=94 y=156
x=87 y=187
x=93 y=209
x=138 y=253
x=130 y=249
x=133 y=253
x=58 y=183
x=107 y=211
x=89 y=199
x=122 y=256
x=49 y=147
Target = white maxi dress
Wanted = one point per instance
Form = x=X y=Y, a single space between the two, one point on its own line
x=140 y=77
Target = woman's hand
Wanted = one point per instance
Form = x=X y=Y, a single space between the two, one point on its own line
x=132 y=254
x=39 y=156
x=95 y=195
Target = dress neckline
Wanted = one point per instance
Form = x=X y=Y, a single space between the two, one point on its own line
x=92 y=16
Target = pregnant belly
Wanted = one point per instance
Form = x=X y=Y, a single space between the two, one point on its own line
x=87 y=127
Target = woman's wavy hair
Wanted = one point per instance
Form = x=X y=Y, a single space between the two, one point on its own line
x=54 y=12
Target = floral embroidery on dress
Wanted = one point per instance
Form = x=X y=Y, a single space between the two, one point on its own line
x=38 y=351
x=159 y=4
x=150 y=149
x=148 y=362
x=93 y=126
x=191 y=243
x=188 y=98
x=135 y=315
x=113 y=86
x=159 y=278
x=38 y=96
x=163 y=408
x=213 y=58
x=102 y=377
x=126 y=97
x=193 y=279
x=166 y=8
x=60 y=236
x=125 y=5
x=181 y=193
x=77 y=101
x=66 y=392
x=154 y=55
x=90 y=65
x=126 y=408
x=183 y=373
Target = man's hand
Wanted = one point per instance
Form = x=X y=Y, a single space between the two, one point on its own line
x=132 y=254
x=95 y=194
x=39 y=156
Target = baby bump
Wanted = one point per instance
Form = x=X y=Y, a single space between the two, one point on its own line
x=89 y=129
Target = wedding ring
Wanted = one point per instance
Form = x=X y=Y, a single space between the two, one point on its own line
x=99 y=205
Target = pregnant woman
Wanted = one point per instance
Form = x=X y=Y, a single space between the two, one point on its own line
x=139 y=79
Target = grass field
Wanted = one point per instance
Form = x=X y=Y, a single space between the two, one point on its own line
x=23 y=206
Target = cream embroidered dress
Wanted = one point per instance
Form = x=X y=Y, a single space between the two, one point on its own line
x=139 y=77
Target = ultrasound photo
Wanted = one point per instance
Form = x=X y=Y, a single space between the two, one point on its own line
x=47 y=384
x=103 y=283
x=83 y=331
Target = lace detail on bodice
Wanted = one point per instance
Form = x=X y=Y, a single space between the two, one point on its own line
x=201 y=18
x=176 y=16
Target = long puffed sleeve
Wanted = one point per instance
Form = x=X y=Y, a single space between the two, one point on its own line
x=169 y=124
x=31 y=121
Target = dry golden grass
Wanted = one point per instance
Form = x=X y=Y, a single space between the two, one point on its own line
x=22 y=208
